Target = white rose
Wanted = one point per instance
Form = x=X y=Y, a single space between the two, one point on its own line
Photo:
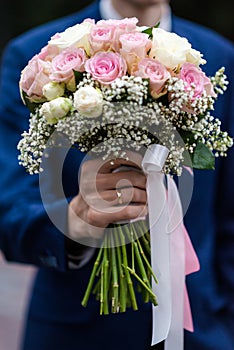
x=53 y=90
x=169 y=48
x=88 y=101
x=195 y=57
x=56 y=109
x=76 y=36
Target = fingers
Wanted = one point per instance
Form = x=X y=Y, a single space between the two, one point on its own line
x=87 y=221
x=108 y=193
x=109 y=215
x=120 y=179
x=122 y=196
x=114 y=164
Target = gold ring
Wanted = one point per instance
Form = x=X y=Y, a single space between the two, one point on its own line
x=119 y=196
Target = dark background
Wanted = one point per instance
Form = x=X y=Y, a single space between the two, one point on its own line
x=16 y=17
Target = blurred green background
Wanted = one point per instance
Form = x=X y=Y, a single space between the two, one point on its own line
x=16 y=17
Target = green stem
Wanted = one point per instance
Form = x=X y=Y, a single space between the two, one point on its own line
x=125 y=265
x=153 y=296
x=115 y=283
x=146 y=243
x=105 y=283
x=122 y=279
x=102 y=291
x=144 y=256
x=92 y=278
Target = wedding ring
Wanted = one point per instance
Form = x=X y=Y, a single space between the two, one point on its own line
x=119 y=196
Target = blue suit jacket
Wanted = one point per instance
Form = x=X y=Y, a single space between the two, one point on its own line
x=28 y=236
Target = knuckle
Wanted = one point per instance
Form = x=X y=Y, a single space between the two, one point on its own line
x=92 y=216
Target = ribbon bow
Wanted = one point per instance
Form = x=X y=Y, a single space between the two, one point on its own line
x=172 y=254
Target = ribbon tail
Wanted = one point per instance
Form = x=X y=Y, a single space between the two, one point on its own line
x=175 y=339
x=160 y=251
x=191 y=265
x=188 y=320
x=191 y=260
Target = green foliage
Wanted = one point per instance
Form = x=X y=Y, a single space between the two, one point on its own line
x=203 y=158
x=150 y=30
x=78 y=76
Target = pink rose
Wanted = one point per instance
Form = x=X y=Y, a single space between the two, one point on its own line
x=119 y=27
x=125 y=25
x=156 y=73
x=101 y=38
x=134 y=46
x=196 y=80
x=135 y=42
x=89 y=20
x=47 y=53
x=68 y=60
x=34 y=76
x=106 y=67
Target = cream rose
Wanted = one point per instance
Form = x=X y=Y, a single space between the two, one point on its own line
x=53 y=90
x=169 y=48
x=195 y=57
x=76 y=36
x=55 y=109
x=88 y=101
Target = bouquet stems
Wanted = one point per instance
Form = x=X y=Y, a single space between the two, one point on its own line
x=122 y=269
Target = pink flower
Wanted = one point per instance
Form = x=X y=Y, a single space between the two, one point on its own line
x=47 y=53
x=68 y=60
x=89 y=20
x=196 y=80
x=135 y=42
x=106 y=67
x=156 y=73
x=125 y=25
x=134 y=46
x=119 y=27
x=101 y=38
x=34 y=76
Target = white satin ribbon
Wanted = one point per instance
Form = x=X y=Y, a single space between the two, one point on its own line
x=152 y=165
x=175 y=338
x=167 y=240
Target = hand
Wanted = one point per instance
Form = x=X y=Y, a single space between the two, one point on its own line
x=107 y=195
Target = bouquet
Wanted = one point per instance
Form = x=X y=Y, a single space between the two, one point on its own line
x=101 y=83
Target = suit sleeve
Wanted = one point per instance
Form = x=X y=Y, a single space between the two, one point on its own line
x=27 y=234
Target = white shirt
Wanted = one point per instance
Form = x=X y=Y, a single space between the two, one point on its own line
x=108 y=11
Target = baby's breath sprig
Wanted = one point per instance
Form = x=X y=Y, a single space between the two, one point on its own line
x=33 y=143
x=220 y=81
x=128 y=88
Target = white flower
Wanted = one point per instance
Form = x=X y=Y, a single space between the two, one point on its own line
x=195 y=57
x=88 y=101
x=55 y=109
x=76 y=36
x=53 y=90
x=169 y=48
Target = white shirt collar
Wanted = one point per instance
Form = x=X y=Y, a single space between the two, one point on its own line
x=108 y=11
